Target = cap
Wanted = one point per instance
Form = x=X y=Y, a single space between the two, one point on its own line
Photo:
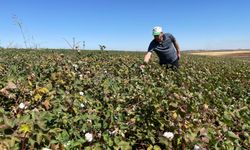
x=157 y=30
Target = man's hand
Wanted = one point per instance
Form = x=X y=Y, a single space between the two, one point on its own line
x=178 y=55
x=177 y=47
x=146 y=60
x=147 y=57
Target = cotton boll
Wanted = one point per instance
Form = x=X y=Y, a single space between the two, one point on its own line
x=89 y=137
x=168 y=135
x=21 y=106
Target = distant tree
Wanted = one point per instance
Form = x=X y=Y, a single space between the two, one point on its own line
x=83 y=45
x=19 y=24
x=102 y=47
x=74 y=45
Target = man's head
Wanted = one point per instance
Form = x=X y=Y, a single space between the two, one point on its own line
x=158 y=33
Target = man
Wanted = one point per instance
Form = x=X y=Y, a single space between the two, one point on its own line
x=166 y=48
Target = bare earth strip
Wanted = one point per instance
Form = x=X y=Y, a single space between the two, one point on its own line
x=224 y=53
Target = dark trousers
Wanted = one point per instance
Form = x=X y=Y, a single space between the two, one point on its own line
x=174 y=65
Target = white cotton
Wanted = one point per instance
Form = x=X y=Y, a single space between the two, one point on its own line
x=21 y=105
x=89 y=121
x=81 y=93
x=168 y=135
x=75 y=65
x=67 y=144
x=82 y=105
x=196 y=147
x=89 y=137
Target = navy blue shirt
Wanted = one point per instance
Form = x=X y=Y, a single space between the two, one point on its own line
x=165 y=50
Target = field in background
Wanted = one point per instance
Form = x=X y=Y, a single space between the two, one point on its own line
x=228 y=53
x=61 y=99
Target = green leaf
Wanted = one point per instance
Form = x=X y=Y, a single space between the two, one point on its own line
x=117 y=140
x=110 y=142
x=156 y=147
x=227 y=116
x=164 y=141
x=24 y=119
x=97 y=147
x=152 y=139
x=13 y=142
x=150 y=147
x=56 y=131
x=1 y=111
x=79 y=142
x=105 y=136
x=173 y=106
x=124 y=145
x=64 y=136
x=232 y=135
x=39 y=137
x=54 y=142
x=216 y=146
x=88 y=148
x=9 y=122
x=42 y=125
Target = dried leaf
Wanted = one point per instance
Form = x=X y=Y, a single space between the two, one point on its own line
x=203 y=132
x=43 y=90
x=4 y=92
x=46 y=104
x=10 y=86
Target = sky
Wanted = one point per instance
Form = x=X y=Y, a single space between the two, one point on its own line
x=124 y=24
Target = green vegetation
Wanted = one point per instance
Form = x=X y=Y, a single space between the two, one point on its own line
x=103 y=100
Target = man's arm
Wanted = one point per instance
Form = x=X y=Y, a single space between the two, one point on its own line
x=147 y=57
x=177 y=47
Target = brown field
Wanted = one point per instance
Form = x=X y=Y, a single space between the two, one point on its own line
x=245 y=53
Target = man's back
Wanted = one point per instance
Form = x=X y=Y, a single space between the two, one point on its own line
x=165 y=49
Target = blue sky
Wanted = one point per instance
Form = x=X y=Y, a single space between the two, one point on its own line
x=126 y=24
